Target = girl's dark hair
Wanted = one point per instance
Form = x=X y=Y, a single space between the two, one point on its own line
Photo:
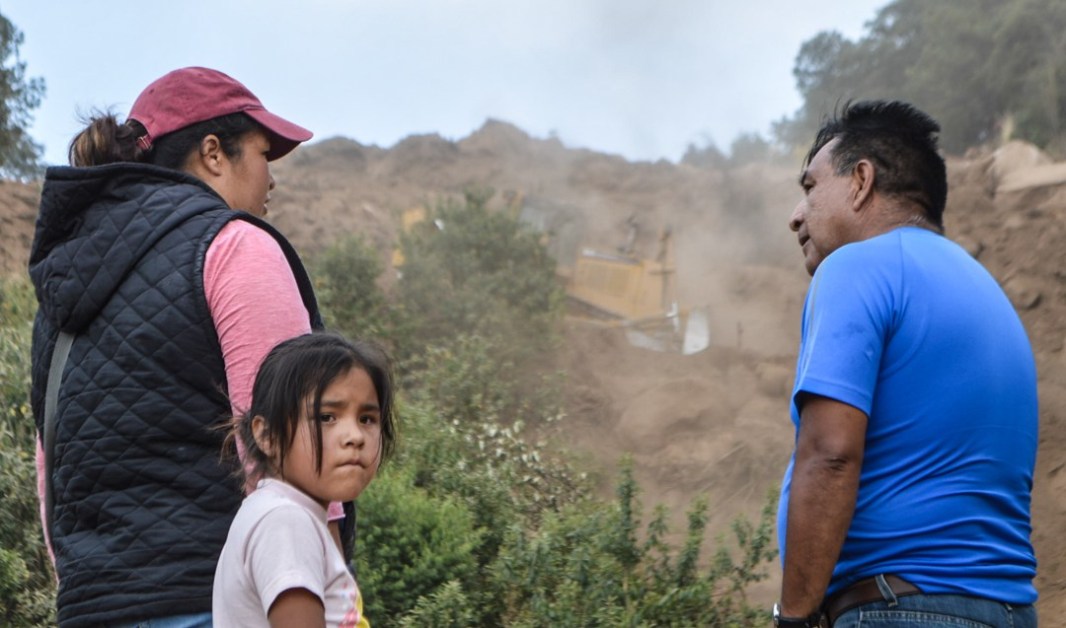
x=105 y=141
x=290 y=384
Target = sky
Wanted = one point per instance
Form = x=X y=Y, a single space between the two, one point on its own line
x=643 y=79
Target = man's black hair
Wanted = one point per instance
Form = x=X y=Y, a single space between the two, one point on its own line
x=901 y=142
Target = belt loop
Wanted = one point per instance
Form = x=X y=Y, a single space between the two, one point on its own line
x=886 y=591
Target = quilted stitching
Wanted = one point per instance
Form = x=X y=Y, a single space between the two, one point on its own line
x=142 y=504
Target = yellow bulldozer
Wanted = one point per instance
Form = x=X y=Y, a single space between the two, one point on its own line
x=618 y=289
x=639 y=295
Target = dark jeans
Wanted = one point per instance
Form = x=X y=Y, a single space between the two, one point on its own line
x=938 y=611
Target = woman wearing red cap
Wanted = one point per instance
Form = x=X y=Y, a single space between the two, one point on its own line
x=160 y=291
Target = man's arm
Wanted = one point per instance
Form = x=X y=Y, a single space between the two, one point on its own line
x=825 y=484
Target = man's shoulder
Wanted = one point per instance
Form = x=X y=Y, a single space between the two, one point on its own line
x=887 y=249
x=856 y=259
x=896 y=239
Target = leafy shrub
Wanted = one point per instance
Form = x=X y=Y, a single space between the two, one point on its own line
x=410 y=544
x=482 y=272
x=482 y=275
x=490 y=470
x=477 y=296
x=461 y=382
x=586 y=567
x=27 y=586
x=345 y=276
x=448 y=607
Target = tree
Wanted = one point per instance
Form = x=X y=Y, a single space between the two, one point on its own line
x=750 y=148
x=983 y=68
x=479 y=271
x=706 y=156
x=479 y=290
x=1027 y=62
x=19 y=96
x=951 y=77
x=346 y=276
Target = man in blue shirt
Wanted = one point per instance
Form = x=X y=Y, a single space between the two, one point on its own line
x=908 y=496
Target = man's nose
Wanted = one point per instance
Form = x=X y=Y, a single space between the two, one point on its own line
x=796 y=219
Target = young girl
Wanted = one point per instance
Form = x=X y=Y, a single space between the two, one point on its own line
x=319 y=425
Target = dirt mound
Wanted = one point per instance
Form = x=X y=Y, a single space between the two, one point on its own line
x=18 y=212
x=715 y=423
x=1020 y=236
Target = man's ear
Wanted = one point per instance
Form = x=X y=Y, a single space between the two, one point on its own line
x=262 y=439
x=208 y=158
x=862 y=183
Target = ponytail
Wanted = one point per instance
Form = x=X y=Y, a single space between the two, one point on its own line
x=106 y=141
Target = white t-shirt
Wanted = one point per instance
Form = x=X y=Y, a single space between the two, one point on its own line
x=279 y=541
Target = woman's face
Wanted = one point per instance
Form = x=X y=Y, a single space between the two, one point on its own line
x=244 y=181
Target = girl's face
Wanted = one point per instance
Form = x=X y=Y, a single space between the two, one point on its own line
x=351 y=441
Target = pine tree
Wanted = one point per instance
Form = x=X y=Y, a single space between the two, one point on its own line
x=19 y=96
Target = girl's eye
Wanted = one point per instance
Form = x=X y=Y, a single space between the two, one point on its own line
x=368 y=419
x=326 y=418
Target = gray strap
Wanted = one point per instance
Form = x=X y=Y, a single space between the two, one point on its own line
x=51 y=398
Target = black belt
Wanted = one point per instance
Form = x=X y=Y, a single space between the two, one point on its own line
x=865 y=592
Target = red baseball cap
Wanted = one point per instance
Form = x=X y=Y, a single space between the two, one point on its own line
x=190 y=95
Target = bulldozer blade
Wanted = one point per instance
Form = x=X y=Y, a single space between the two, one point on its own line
x=671 y=334
x=697 y=333
x=644 y=340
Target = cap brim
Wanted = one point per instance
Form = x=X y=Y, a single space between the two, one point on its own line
x=284 y=135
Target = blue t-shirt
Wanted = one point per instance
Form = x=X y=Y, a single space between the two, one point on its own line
x=910 y=329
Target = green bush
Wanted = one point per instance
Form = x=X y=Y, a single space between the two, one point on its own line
x=448 y=607
x=586 y=567
x=499 y=478
x=410 y=545
x=481 y=276
x=461 y=383
x=345 y=277
x=27 y=586
x=474 y=319
x=444 y=462
x=590 y=564
x=481 y=272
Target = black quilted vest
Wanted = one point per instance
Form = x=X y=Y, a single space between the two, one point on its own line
x=142 y=501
